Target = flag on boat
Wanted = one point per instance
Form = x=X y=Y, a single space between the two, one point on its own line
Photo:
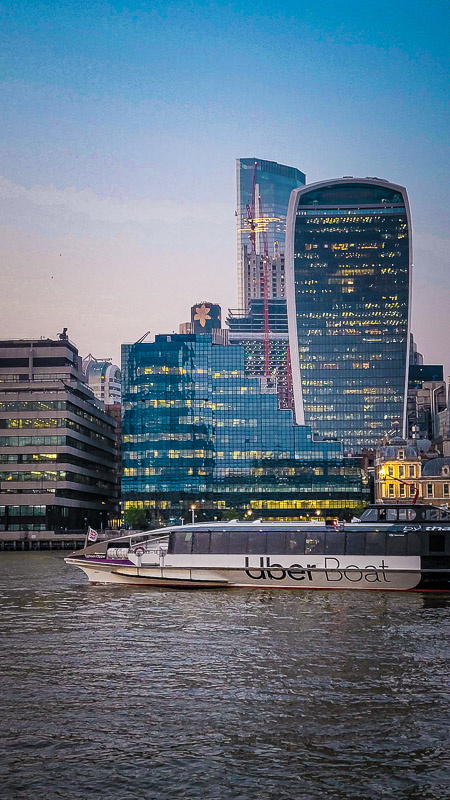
x=92 y=535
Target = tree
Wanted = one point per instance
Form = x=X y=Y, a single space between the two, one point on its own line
x=135 y=517
x=232 y=513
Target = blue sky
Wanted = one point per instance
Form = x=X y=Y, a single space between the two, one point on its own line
x=121 y=123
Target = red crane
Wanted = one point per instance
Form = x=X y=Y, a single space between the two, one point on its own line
x=251 y=220
x=266 y=297
x=251 y=211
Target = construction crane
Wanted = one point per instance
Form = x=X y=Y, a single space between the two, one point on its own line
x=265 y=295
x=252 y=222
x=251 y=211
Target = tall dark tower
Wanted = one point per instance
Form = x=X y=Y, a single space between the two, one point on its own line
x=348 y=284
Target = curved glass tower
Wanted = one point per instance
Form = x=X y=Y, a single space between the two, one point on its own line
x=348 y=284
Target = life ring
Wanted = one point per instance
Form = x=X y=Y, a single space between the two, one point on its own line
x=139 y=551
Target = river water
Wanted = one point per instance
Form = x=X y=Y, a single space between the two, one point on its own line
x=123 y=692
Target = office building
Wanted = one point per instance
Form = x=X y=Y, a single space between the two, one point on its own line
x=198 y=430
x=57 y=444
x=263 y=191
x=104 y=378
x=248 y=329
x=348 y=282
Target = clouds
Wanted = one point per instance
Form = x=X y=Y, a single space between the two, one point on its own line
x=101 y=208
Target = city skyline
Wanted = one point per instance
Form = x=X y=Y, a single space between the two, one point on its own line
x=117 y=162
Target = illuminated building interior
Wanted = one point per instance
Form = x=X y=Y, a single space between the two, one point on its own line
x=348 y=300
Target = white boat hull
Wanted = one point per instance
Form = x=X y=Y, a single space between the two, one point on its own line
x=275 y=577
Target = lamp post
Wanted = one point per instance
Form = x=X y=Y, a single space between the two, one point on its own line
x=383 y=476
x=193 y=507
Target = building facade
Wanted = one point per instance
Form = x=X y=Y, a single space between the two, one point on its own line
x=263 y=191
x=248 y=329
x=104 y=379
x=348 y=283
x=57 y=444
x=407 y=469
x=198 y=430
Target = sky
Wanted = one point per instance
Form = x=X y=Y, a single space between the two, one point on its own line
x=121 y=123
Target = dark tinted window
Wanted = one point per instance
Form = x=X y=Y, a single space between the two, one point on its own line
x=257 y=543
x=396 y=544
x=276 y=542
x=437 y=542
x=238 y=542
x=334 y=543
x=375 y=543
x=201 y=542
x=370 y=515
x=218 y=542
x=295 y=543
x=413 y=544
x=181 y=542
x=314 y=543
x=354 y=545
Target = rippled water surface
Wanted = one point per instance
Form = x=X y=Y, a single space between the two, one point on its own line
x=248 y=694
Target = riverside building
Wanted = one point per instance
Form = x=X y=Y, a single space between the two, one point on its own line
x=197 y=430
x=348 y=283
x=57 y=445
x=263 y=191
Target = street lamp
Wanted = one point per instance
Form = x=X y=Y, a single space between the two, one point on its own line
x=383 y=476
x=193 y=507
x=249 y=513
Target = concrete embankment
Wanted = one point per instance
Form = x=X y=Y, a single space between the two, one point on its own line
x=47 y=540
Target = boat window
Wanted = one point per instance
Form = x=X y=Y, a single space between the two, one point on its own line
x=276 y=543
x=432 y=513
x=257 y=543
x=437 y=543
x=295 y=543
x=382 y=514
x=334 y=543
x=375 y=543
x=181 y=542
x=219 y=542
x=314 y=543
x=413 y=544
x=370 y=515
x=396 y=544
x=391 y=514
x=201 y=542
x=354 y=545
x=238 y=542
x=406 y=513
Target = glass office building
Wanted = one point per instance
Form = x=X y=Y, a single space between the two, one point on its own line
x=197 y=429
x=273 y=185
x=348 y=279
x=247 y=328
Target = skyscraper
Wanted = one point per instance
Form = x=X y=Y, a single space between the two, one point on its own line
x=348 y=282
x=263 y=191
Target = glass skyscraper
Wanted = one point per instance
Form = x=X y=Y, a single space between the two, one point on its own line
x=348 y=282
x=197 y=429
x=263 y=191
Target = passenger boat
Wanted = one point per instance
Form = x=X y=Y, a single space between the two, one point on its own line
x=392 y=547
